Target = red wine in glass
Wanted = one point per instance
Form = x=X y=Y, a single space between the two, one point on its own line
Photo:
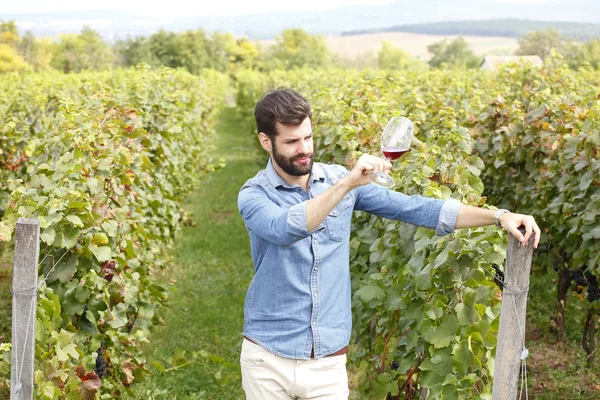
x=395 y=142
x=394 y=152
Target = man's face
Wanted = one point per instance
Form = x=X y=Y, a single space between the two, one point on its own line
x=292 y=148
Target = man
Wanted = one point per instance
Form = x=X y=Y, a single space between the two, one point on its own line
x=297 y=311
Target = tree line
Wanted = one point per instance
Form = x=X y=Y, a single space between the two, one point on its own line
x=194 y=50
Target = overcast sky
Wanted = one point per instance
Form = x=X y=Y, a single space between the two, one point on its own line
x=166 y=8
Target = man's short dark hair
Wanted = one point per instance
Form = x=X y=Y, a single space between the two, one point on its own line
x=282 y=105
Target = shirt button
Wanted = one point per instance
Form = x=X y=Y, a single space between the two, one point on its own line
x=334 y=212
x=315 y=241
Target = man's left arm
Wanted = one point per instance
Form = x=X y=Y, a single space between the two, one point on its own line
x=442 y=215
x=471 y=217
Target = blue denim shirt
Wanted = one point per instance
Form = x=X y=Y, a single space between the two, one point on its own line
x=299 y=296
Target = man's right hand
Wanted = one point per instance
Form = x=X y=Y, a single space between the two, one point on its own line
x=358 y=176
x=318 y=207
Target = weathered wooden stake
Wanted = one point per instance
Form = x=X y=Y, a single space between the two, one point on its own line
x=512 y=331
x=25 y=273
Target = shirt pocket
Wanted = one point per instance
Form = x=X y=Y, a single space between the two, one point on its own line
x=338 y=220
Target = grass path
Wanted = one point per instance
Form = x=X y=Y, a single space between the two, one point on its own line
x=213 y=270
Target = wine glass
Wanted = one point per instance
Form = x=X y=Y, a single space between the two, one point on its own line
x=395 y=142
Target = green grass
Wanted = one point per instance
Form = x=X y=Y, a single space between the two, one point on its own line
x=200 y=342
x=6 y=267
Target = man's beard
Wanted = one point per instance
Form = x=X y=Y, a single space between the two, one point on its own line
x=288 y=166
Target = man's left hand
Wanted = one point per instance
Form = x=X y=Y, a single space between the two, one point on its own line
x=511 y=222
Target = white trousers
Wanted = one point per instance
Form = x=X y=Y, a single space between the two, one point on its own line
x=266 y=376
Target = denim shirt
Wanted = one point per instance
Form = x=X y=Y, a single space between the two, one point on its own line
x=300 y=295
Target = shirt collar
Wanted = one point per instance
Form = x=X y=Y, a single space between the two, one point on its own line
x=316 y=174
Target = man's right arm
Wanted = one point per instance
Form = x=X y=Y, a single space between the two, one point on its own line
x=319 y=207
x=278 y=225
x=270 y=221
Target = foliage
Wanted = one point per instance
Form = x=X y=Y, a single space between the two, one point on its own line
x=6 y=267
x=5 y=369
x=586 y=54
x=541 y=43
x=20 y=53
x=79 y=52
x=426 y=297
x=391 y=57
x=540 y=136
x=455 y=53
x=129 y=52
x=218 y=50
x=242 y=54
x=10 y=60
x=249 y=84
x=36 y=52
x=297 y=48
x=9 y=33
x=536 y=132
x=192 y=50
x=108 y=159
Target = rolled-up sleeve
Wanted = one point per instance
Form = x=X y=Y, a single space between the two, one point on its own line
x=270 y=221
x=448 y=214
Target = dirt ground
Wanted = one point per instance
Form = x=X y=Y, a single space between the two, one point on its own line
x=361 y=46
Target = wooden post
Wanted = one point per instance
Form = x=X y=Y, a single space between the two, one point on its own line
x=25 y=273
x=512 y=321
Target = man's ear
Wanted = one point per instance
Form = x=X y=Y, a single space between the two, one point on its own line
x=265 y=142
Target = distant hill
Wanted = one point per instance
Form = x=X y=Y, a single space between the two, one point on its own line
x=114 y=24
x=495 y=27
